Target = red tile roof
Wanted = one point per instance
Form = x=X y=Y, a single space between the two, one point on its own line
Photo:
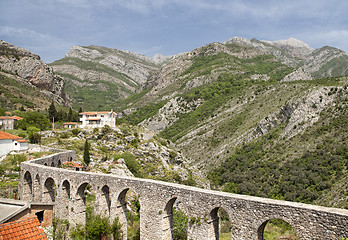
x=72 y=164
x=12 y=117
x=4 y=135
x=70 y=123
x=92 y=113
x=24 y=229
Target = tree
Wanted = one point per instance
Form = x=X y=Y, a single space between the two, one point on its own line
x=52 y=112
x=86 y=156
x=70 y=115
x=33 y=134
x=34 y=119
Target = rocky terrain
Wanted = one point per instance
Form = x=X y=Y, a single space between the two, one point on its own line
x=27 y=68
x=218 y=102
x=110 y=74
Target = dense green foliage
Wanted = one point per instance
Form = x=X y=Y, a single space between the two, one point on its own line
x=313 y=162
x=142 y=113
x=96 y=228
x=277 y=228
x=131 y=162
x=180 y=223
x=34 y=119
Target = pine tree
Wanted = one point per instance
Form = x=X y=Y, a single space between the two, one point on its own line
x=86 y=156
x=70 y=116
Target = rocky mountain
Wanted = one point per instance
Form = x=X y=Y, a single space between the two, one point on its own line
x=97 y=76
x=22 y=72
x=218 y=99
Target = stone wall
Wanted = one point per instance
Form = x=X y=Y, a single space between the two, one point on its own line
x=247 y=214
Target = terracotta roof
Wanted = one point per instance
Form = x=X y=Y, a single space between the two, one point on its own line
x=73 y=164
x=17 y=118
x=24 y=229
x=12 y=117
x=70 y=123
x=92 y=113
x=4 y=135
x=22 y=140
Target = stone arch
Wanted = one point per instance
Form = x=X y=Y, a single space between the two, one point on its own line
x=219 y=220
x=262 y=227
x=52 y=164
x=80 y=204
x=37 y=189
x=105 y=201
x=65 y=199
x=167 y=219
x=123 y=211
x=59 y=163
x=49 y=193
x=27 y=187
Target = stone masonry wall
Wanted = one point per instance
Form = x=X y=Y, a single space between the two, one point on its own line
x=247 y=214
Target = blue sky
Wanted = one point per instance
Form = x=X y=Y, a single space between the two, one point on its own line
x=51 y=27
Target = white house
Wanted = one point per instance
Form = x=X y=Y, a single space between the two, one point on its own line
x=98 y=119
x=9 y=142
x=8 y=122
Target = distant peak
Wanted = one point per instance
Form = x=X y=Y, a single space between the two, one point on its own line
x=293 y=42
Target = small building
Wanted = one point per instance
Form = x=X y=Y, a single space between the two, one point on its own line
x=13 y=210
x=8 y=122
x=9 y=142
x=74 y=166
x=71 y=125
x=98 y=119
x=28 y=228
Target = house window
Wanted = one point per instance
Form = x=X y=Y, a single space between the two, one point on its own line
x=15 y=144
x=101 y=115
x=40 y=215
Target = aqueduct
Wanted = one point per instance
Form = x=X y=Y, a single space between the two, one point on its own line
x=43 y=181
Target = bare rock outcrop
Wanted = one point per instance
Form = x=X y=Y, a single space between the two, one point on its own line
x=29 y=68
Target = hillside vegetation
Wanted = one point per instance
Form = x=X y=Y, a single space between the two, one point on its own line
x=233 y=118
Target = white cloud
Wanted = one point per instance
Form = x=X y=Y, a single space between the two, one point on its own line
x=23 y=33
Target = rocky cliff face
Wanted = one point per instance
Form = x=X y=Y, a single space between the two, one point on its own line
x=108 y=74
x=27 y=67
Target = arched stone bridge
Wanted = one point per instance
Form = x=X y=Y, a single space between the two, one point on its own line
x=42 y=181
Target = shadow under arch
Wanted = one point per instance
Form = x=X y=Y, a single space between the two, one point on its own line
x=27 y=187
x=286 y=230
x=128 y=210
x=104 y=203
x=65 y=198
x=167 y=219
x=80 y=201
x=37 y=189
x=49 y=193
x=219 y=224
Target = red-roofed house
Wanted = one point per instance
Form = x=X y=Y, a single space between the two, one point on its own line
x=75 y=166
x=98 y=119
x=28 y=228
x=8 y=122
x=9 y=142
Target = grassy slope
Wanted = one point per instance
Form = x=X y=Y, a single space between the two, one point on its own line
x=305 y=168
x=15 y=94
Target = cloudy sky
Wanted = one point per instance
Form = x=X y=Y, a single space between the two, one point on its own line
x=50 y=27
